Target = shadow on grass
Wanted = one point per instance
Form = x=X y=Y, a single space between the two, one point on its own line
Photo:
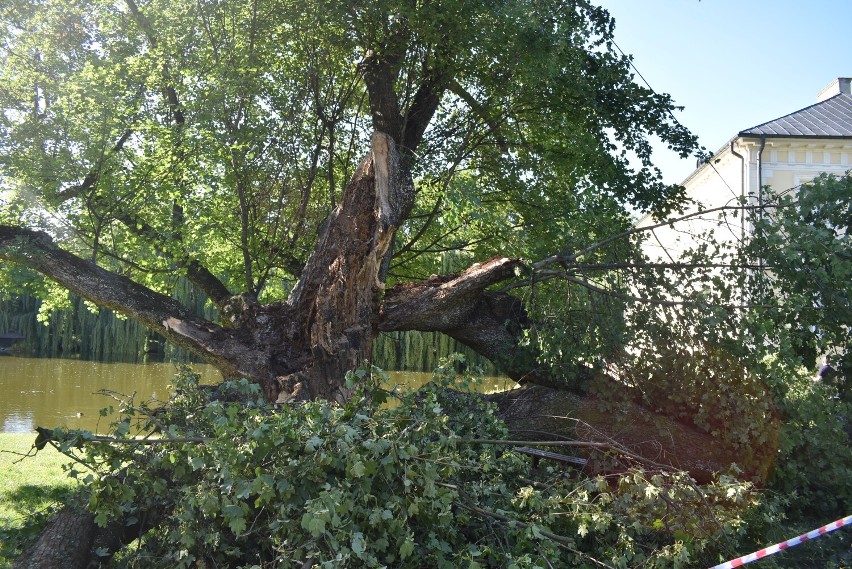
x=23 y=513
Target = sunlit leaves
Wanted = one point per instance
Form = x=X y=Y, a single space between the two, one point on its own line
x=225 y=131
x=402 y=487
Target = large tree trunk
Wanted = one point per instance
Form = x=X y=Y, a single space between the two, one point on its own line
x=64 y=543
x=541 y=413
x=72 y=540
x=335 y=304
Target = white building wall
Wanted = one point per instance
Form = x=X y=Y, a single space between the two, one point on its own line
x=715 y=185
x=735 y=173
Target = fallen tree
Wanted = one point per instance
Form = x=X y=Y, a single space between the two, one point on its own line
x=235 y=483
x=306 y=168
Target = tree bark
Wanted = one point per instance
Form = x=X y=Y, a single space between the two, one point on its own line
x=72 y=540
x=63 y=544
x=336 y=301
x=491 y=323
x=540 y=413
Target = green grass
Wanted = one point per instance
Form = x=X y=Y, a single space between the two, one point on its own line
x=30 y=490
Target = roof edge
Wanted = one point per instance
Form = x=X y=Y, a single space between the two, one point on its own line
x=746 y=132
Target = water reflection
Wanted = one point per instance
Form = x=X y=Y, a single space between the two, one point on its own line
x=51 y=393
x=412 y=380
x=18 y=423
x=63 y=393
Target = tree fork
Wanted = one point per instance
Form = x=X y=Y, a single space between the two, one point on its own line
x=491 y=323
x=337 y=299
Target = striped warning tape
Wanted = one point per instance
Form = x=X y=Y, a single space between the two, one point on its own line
x=773 y=549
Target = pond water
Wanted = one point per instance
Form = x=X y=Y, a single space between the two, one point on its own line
x=52 y=393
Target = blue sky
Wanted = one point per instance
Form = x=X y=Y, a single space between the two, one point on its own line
x=733 y=64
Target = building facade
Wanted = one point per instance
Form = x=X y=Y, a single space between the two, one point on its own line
x=782 y=153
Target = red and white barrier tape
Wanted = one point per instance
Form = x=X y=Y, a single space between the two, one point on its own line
x=772 y=549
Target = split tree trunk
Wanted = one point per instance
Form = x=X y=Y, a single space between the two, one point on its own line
x=299 y=349
x=336 y=302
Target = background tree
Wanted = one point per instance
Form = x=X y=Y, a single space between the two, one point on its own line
x=803 y=240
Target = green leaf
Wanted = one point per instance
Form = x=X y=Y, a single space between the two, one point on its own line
x=197 y=462
x=235 y=517
x=101 y=519
x=314 y=525
x=359 y=546
x=407 y=548
x=313 y=444
x=237 y=525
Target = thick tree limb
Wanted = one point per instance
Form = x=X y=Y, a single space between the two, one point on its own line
x=420 y=113
x=442 y=303
x=72 y=540
x=160 y=313
x=209 y=284
x=458 y=305
x=64 y=544
x=384 y=103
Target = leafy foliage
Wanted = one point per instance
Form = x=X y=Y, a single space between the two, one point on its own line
x=366 y=486
x=712 y=388
x=145 y=134
x=805 y=241
x=731 y=347
x=815 y=452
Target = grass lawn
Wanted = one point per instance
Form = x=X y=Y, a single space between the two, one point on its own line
x=29 y=492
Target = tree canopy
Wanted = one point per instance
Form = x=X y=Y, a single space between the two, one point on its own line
x=215 y=140
x=310 y=166
x=156 y=136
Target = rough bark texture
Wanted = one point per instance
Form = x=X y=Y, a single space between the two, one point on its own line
x=459 y=305
x=72 y=540
x=63 y=544
x=337 y=299
x=540 y=413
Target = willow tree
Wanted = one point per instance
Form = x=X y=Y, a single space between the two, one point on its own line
x=304 y=163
